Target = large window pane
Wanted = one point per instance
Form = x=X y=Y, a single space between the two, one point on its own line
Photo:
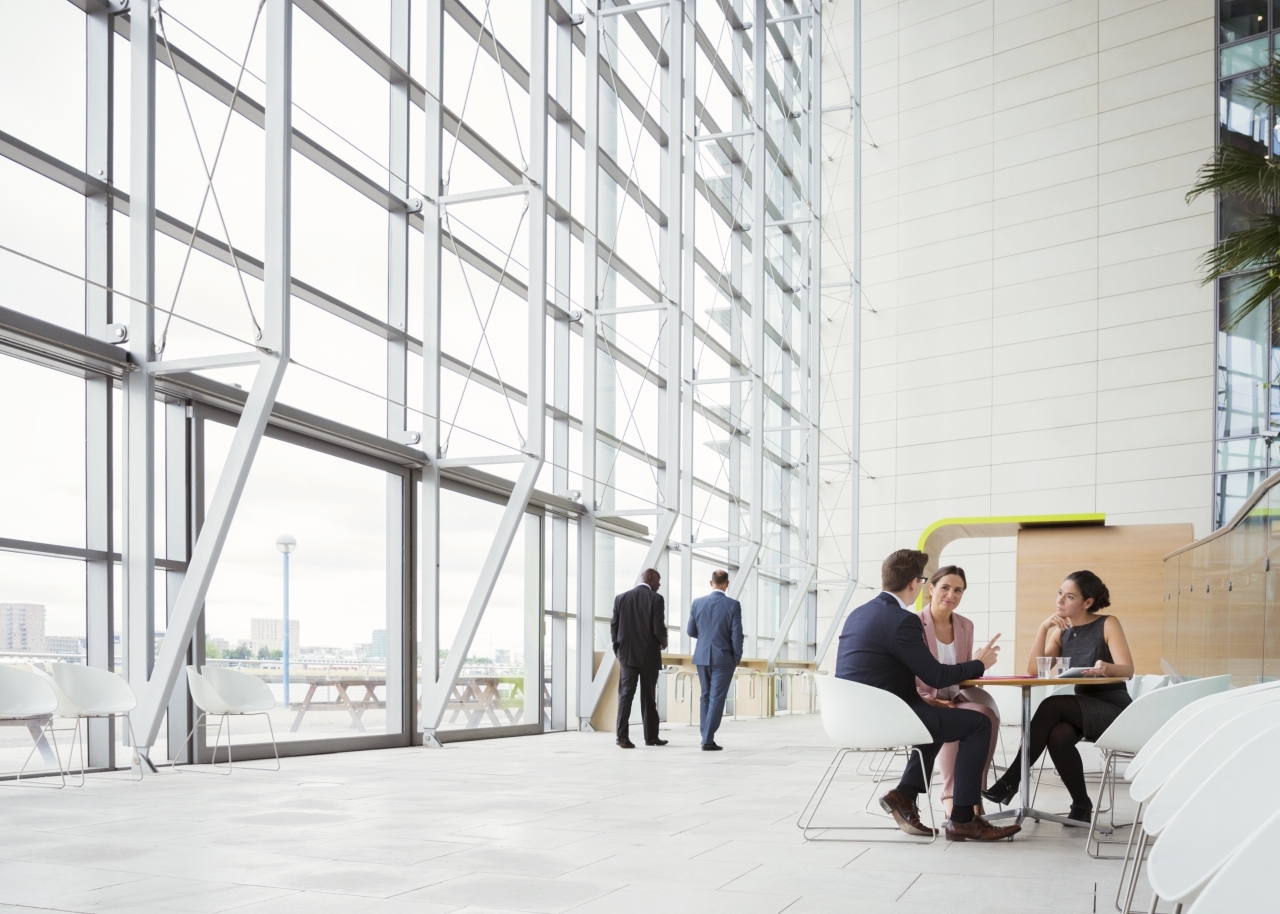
x=340 y=617
x=492 y=688
x=41 y=454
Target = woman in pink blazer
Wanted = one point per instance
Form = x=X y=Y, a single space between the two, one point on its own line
x=950 y=638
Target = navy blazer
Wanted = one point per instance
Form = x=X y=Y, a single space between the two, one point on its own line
x=716 y=621
x=883 y=645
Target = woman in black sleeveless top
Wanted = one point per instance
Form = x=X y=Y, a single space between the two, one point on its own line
x=1061 y=721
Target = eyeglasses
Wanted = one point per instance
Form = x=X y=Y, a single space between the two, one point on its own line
x=922 y=579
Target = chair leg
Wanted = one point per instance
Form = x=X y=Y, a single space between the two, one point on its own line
x=820 y=792
x=274 y=748
x=217 y=741
x=1090 y=840
x=1124 y=867
x=48 y=727
x=1143 y=841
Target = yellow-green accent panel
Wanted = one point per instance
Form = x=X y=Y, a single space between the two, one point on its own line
x=938 y=535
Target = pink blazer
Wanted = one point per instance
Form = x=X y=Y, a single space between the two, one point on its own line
x=962 y=633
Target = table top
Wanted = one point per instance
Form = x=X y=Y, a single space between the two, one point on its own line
x=796 y=664
x=1026 y=682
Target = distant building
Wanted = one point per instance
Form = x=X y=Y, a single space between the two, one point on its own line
x=22 y=627
x=501 y=655
x=222 y=644
x=378 y=649
x=63 y=644
x=269 y=633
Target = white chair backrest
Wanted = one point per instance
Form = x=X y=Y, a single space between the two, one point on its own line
x=85 y=691
x=1199 y=765
x=1214 y=820
x=1208 y=726
x=1141 y=685
x=1139 y=722
x=858 y=716
x=240 y=691
x=1245 y=884
x=1174 y=723
x=24 y=694
x=204 y=694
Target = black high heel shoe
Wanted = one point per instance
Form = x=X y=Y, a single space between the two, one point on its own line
x=1001 y=793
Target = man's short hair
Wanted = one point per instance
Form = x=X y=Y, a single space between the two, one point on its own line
x=651 y=577
x=901 y=568
x=719 y=578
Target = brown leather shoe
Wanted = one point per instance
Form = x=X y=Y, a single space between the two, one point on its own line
x=979 y=829
x=904 y=812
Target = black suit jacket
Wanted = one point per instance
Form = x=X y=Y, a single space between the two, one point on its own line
x=883 y=645
x=639 y=627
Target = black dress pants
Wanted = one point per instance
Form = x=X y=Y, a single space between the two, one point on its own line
x=647 y=678
x=973 y=731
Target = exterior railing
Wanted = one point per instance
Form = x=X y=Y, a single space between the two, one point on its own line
x=1222 y=597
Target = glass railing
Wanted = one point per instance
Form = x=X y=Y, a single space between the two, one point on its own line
x=1222 y=597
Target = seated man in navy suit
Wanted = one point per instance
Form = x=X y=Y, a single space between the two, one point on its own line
x=882 y=645
x=716 y=621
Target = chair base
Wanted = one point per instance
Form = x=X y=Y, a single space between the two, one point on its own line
x=805 y=821
x=46 y=728
x=214 y=767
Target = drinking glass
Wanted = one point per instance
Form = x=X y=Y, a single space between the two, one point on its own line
x=1044 y=667
x=1064 y=664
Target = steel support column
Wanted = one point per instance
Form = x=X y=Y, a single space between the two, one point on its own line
x=99 y=396
x=138 y=445
x=153 y=698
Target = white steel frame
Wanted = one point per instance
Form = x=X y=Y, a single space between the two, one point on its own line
x=733 y=329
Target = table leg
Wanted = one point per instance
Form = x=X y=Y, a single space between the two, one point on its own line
x=1025 y=761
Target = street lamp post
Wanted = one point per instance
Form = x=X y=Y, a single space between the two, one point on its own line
x=286 y=544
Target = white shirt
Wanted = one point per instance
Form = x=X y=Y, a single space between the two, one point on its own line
x=947 y=655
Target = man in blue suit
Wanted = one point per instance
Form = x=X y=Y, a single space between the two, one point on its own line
x=716 y=621
x=882 y=645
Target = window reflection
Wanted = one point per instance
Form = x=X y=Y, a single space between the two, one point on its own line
x=1240 y=18
x=1243 y=119
x=1243 y=361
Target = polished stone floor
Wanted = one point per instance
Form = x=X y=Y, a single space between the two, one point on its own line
x=546 y=824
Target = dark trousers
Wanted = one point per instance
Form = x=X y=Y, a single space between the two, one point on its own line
x=647 y=678
x=715 y=688
x=1058 y=724
x=972 y=729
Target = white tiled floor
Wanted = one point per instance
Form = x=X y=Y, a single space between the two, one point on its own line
x=563 y=822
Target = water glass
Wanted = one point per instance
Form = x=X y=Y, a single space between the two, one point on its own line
x=1064 y=664
x=1044 y=667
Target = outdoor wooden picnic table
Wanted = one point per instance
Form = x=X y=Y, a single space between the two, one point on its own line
x=355 y=708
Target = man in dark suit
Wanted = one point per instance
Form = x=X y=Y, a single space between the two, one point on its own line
x=882 y=645
x=639 y=630
x=716 y=621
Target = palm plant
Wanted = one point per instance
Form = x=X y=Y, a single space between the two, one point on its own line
x=1249 y=175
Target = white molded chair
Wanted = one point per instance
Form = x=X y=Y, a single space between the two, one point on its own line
x=1206 y=830
x=1245 y=884
x=1149 y=682
x=860 y=718
x=1131 y=731
x=1187 y=760
x=1174 y=723
x=85 y=692
x=226 y=693
x=26 y=696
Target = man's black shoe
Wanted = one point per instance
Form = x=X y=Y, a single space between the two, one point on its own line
x=656 y=742
x=626 y=744
x=711 y=747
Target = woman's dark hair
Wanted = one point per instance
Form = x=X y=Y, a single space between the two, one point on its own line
x=946 y=570
x=1091 y=588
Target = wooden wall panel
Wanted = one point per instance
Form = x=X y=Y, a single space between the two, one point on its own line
x=1128 y=558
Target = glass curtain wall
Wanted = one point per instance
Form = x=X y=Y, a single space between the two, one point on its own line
x=524 y=298
x=1248 y=344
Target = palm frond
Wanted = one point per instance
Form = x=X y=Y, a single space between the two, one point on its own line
x=1255 y=247
x=1265 y=87
x=1261 y=287
x=1239 y=173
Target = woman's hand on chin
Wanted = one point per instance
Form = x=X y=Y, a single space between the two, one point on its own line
x=1054 y=621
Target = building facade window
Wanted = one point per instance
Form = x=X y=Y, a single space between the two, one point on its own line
x=1247 y=362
